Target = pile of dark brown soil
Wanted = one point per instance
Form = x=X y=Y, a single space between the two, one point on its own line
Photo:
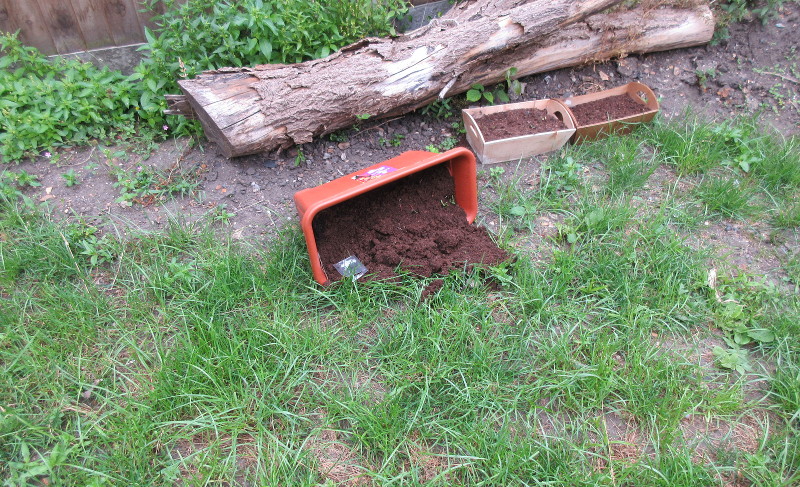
x=606 y=109
x=514 y=123
x=413 y=224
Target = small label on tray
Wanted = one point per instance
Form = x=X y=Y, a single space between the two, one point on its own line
x=374 y=173
x=351 y=267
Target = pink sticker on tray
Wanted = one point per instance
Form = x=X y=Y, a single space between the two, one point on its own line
x=374 y=173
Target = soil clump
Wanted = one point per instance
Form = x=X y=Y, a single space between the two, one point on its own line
x=411 y=224
x=605 y=109
x=514 y=123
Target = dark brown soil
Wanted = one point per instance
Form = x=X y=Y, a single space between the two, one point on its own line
x=412 y=224
x=605 y=109
x=514 y=123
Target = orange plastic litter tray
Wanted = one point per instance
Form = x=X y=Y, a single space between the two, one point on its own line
x=309 y=202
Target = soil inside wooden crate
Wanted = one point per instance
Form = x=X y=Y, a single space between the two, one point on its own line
x=515 y=123
x=413 y=224
x=605 y=109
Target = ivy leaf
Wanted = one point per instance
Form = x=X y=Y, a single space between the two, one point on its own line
x=761 y=335
x=266 y=48
x=744 y=165
x=518 y=210
x=473 y=95
x=733 y=359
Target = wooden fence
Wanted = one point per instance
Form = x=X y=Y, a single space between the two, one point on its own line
x=65 y=26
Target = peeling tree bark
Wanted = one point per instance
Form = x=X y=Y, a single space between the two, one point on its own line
x=251 y=110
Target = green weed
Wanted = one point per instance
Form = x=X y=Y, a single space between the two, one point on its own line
x=704 y=76
x=395 y=140
x=441 y=109
x=478 y=92
x=727 y=197
x=690 y=143
x=46 y=103
x=300 y=158
x=70 y=178
x=146 y=185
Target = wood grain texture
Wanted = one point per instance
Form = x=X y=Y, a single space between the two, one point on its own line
x=27 y=17
x=61 y=21
x=93 y=23
x=389 y=77
x=7 y=22
x=123 y=18
x=65 y=26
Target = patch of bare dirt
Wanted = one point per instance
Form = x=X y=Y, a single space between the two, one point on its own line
x=625 y=441
x=337 y=460
x=429 y=461
x=371 y=385
x=708 y=436
x=191 y=454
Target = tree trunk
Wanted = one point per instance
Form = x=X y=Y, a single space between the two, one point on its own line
x=251 y=110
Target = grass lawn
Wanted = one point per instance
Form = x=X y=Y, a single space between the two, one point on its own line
x=622 y=346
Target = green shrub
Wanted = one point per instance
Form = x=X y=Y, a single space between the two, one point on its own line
x=46 y=103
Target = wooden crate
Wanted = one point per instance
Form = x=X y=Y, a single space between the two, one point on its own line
x=638 y=92
x=516 y=148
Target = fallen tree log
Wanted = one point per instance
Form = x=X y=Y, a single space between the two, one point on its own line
x=251 y=110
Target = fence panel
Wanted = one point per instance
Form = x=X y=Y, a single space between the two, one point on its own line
x=26 y=16
x=66 y=26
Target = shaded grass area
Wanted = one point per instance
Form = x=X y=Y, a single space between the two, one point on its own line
x=179 y=356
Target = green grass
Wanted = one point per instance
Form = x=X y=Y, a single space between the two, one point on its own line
x=627 y=161
x=787 y=214
x=180 y=356
x=690 y=144
x=726 y=197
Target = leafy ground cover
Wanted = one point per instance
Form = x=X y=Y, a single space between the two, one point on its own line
x=613 y=351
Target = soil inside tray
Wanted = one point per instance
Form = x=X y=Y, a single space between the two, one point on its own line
x=413 y=224
x=605 y=109
x=514 y=123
